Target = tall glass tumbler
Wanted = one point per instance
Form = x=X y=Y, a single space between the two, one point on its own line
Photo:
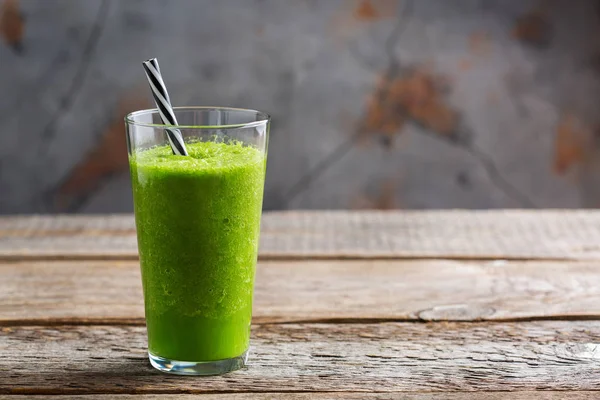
x=198 y=224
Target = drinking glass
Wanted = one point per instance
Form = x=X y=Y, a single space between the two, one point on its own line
x=198 y=224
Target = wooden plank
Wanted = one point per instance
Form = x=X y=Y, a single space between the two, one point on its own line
x=106 y=292
x=383 y=357
x=65 y=236
x=506 y=234
x=530 y=395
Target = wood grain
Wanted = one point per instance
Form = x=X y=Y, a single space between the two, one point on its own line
x=530 y=395
x=507 y=234
x=384 y=357
x=106 y=292
x=71 y=308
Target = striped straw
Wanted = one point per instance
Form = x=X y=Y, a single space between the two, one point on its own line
x=163 y=103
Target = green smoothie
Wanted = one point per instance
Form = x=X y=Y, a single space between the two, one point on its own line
x=198 y=223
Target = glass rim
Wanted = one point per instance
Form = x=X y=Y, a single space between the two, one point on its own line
x=264 y=118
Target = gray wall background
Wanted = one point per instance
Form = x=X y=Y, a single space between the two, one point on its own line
x=375 y=104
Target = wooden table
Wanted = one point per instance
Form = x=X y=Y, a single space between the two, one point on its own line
x=408 y=305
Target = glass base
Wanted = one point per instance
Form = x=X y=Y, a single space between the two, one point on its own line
x=200 y=368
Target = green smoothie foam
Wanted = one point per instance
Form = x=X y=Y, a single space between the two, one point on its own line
x=198 y=223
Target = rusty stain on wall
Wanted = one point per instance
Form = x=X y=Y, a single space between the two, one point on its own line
x=534 y=27
x=108 y=157
x=12 y=24
x=384 y=114
x=365 y=11
x=465 y=65
x=480 y=43
x=492 y=97
x=572 y=138
x=353 y=15
x=385 y=199
x=416 y=95
x=371 y=10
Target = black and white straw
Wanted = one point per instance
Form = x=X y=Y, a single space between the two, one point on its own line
x=163 y=103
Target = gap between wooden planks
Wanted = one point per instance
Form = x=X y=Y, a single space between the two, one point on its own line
x=109 y=292
x=384 y=357
x=530 y=395
x=457 y=234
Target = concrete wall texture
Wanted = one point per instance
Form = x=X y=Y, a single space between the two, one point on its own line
x=375 y=103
